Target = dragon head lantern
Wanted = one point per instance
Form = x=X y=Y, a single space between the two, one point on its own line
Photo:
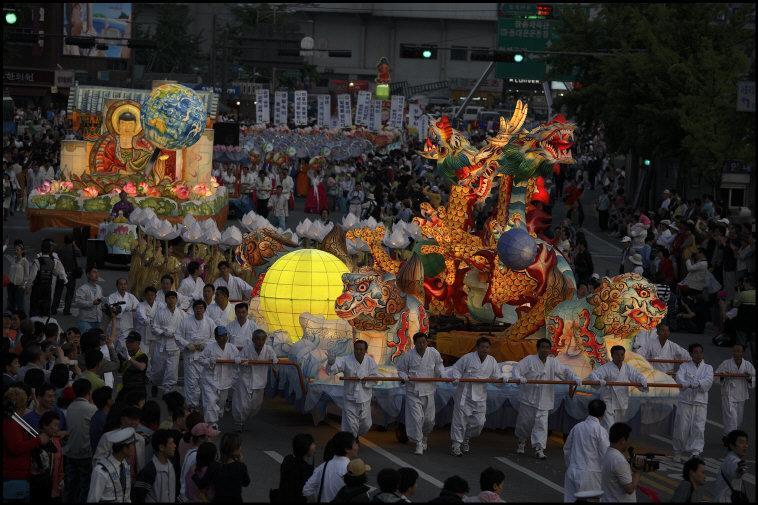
x=551 y=141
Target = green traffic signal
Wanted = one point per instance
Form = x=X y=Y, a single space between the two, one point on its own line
x=11 y=18
x=646 y=163
x=518 y=57
x=427 y=53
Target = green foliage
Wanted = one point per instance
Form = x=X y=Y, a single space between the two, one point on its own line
x=178 y=47
x=678 y=97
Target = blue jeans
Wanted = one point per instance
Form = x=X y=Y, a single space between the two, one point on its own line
x=86 y=325
x=77 y=474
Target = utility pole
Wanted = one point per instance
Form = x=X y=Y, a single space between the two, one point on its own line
x=474 y=89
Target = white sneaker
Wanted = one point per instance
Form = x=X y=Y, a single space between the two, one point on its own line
x=456 y=451
x=465 y=447
x=539 y=454
x=521 y=448
x=425 y=442
x=419 y=448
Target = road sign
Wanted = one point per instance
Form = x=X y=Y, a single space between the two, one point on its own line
x=746 y=96
x=519 y=29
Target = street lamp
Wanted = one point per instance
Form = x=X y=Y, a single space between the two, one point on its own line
x=351 y=84
x=238 y=103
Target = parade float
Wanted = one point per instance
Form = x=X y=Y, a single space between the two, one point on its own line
x=158 y=151
x=505 y=280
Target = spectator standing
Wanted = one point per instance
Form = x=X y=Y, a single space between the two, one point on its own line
x=388 y=480
x=693 y=479
x=230 y=475
x=156 y=482
x=78 y=449
x=733 y=468
x=453 y=491
x=87 y=299
x=355 y=489
x=18 y=275
x=619 y=478
x=295 y=470
x=47 y=462
x=45 y=271
x=408 y=480
x=326 y=479
x=103 y=400
x=491 y=484
x=68 y=256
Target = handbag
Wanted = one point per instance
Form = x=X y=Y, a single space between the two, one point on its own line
x=738 y=496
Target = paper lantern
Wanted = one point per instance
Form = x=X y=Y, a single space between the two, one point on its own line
x=73 y=158
x=306 y=280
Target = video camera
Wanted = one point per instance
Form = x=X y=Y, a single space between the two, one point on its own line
x=645 y=462
x=112 y=308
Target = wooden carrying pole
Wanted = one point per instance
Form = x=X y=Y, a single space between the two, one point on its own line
x=500 y=381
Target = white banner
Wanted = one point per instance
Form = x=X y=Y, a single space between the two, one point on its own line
x=376 y=115
x=423 y=127
x=396 y=111
x=414 y=113
x=324 y=117
x=301 y=108
x=262 y=110
x=344 y=111
x=362 y=108
x=280 y=107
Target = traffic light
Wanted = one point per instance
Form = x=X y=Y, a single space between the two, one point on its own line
x=646 y=162
x=544 y=11
x=418 y=52
x=11 y=17
x=498 y=55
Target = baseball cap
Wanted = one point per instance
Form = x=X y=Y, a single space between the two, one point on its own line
x=220 y=331
x=596 y=277
x=626 y=239
x=204 y=429
x=357 y=467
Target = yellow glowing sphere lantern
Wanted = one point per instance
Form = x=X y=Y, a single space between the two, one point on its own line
x=306 y=280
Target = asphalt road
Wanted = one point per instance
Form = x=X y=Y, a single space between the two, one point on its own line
x=269 y=435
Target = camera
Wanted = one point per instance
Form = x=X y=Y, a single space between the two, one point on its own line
x=112 y=308
x=645 y=462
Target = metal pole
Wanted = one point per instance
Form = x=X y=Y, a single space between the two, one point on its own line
x=473 y=90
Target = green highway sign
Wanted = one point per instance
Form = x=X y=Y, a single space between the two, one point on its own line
x=519 y=28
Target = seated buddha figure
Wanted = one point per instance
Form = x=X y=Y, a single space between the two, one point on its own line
x=122 y=150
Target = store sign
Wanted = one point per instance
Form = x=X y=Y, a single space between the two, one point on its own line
x=28 y=77
x=64 y=78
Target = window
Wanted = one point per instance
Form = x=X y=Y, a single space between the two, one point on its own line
x=733 y=197
x=459 y=53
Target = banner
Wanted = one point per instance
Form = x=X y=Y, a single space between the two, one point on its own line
x=414 y=113
x=324 y=115
x=362 y=108
x=396 y=111
x=376 y=115
x=262 y=108
x=107 y=20
x=301 y=108
x=280 y=107
x=423 y=127
x=344 y=112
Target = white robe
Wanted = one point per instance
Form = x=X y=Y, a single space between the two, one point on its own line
x=471 y=398
x=216 y=379
x=616 y=398
x=692 y=407
x=192 y=288
x=165 y=328
x=196 y=332
x=537 y=400
x=143 y=318
x=734 y=392
x=182 y=301
x=238 y=289
x=220 y=317
x=125 y=317
x=251 y=382
x=419 y=396
x=238 y=335
x=653 y=350
x=583 y=452
x=356 y=410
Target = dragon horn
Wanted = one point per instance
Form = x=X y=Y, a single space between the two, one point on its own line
x=507 y=130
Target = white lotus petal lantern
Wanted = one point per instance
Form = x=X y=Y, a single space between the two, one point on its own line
x=350 y=221
x=136 y=215
x=302 y=228
x=232 y=236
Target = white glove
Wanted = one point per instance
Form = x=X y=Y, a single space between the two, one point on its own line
x=505 y=380
x=578 y=382
x=237 y=360
x=602 y=383
x=523 y=380
x=456 y=380
x=696 y=385
x=403 y=376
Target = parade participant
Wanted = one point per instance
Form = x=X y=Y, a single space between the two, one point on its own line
x=734 y=390
x=241 y=328
x=209 y=290
x=87 y=299
x=287 y=184
x=471 y=398
x=663 y=348
x=356 y=411
x=221 y=311
x=262 y=193
x=44 y=273
x=195 y=333
x=583 y=452
x=143 y=319
x=217 y=379
x=237 y=288
x=167 y=283
x=616 y=398
x=123 y=207
x=192 y=285
x=165 y=328
x=422 y=361
x=537 y=399
x=134 y=365
x=111 y=480
x=696 y=379
x=126 y=316
x=249 y=387
x=279 y=205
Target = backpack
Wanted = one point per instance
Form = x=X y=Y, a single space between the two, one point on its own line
x=44 y=277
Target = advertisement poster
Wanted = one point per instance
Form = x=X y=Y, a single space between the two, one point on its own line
x=111 y=20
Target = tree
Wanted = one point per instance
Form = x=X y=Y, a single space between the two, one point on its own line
x=178 y=49
x=675 y=99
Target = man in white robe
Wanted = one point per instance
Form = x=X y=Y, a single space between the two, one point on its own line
x=238 y=289
x=217 y=379
x=696 y=379
x=470 y=398
x=356 y=410
x=421 y=361
x=167 y=284
x=165 y=328
x=128 y=303
x=143 y=318
x=241 y=328
x=663 y=348
x=616 y=398
x=221 y=311
x=192 y=285
x=251 y=382
x=195 y=333
x=583 y=452
x=734 y=390
x=537 y=400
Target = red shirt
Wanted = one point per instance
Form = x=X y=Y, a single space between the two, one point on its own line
x=17 y=451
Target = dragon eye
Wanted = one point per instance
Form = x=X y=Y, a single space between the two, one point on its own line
x=362 y=287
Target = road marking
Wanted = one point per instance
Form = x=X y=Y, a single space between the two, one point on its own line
x=275 y=456
x=596 y=237
x=531 y=474
x=371 y=445
x=714 y=423
x=646 y=480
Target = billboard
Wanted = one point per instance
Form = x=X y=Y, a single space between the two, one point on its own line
x=111 y=20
